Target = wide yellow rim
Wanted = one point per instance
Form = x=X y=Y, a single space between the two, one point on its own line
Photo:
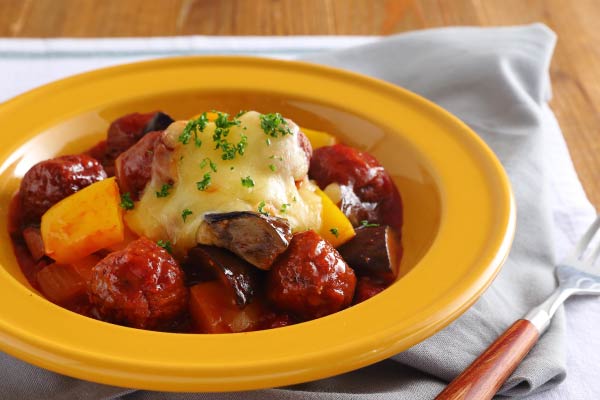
x=475 y=234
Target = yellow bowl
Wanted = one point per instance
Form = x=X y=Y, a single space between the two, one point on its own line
x=458 y=208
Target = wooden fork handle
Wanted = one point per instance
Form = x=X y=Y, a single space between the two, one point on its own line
x=482 y=379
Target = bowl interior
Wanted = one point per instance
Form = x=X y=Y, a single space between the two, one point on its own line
x=409 y=169
x=458 y=211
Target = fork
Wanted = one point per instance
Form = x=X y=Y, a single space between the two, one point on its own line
x=482 y=379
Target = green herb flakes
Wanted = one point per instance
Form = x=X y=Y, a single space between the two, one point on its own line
x=210 y=163
x=335 y=232
x=185 y=213
x=126 y=201
x=365 y=224
x=165 y=245
x=274 y=125
x=247 y=182
x=272 y=167
x=164 y=190
x=194 y=127
x=204 y=183
x=229 y=149
x=261 y=208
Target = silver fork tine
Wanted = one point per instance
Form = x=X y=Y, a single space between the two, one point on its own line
x=583 y=242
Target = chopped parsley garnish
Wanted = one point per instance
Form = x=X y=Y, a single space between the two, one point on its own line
x=273 y=157
x=295 y=199
x=223 y=125
x=193 y=127
x=268 y=141
x=185 y=213
x=126 y=201
x=335 y=232
x=274 y=125
x=208 y=161
x=284 y=207
x=231 y=168
x=261 y=208
x=365 y=224
x=204 y=183
x=272 y=167
x=164 y=190
x=240 y=113
x=165 y=245
x=248 y=182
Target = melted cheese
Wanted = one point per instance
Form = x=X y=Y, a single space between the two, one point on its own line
x=161 y=217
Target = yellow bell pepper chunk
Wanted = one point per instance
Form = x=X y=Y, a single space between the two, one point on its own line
x=335 y=226
x=319 y=139
x=84 y=222
x=211 y=116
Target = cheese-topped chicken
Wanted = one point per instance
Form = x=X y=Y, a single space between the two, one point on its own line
x=253 y=162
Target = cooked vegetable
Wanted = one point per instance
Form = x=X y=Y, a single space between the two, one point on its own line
x=66 y=284
x=141 y=286
x=319 y=139
x=50 y=181
x=83 y=223
x=221 y=195
x=255 y=237
x=310 y=279
x=159 y=122
x=213 y=310
x=335 y=226
x=61 y=284
x=373 y=251
x=34 y=242
x=209 y=263
x=367 y=190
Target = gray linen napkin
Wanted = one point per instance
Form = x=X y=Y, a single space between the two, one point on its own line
x=496 y=80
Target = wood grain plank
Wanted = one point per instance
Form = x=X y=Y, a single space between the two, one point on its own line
x=575 y=69
x=13 y=16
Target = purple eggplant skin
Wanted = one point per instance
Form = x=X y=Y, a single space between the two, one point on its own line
x=375 y=251
x=205 y=263
x=159 y=122
x=257 y=238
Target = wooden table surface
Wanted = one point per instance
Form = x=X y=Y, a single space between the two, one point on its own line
x=575 y=69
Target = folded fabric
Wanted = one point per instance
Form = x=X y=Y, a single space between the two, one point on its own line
x=494 y=79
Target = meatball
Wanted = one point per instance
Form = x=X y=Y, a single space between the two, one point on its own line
x=367 y=287
x=372 y=195
x=140 y=286
x=132 y=167
x=50 y=181
x=124 y=132
x=310 y=279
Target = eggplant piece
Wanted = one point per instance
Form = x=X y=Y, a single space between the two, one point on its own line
x=354 y=208
x=255 y=237
x=34 y=242
x=374 y=251
x=207 y=263
x=159 y=122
